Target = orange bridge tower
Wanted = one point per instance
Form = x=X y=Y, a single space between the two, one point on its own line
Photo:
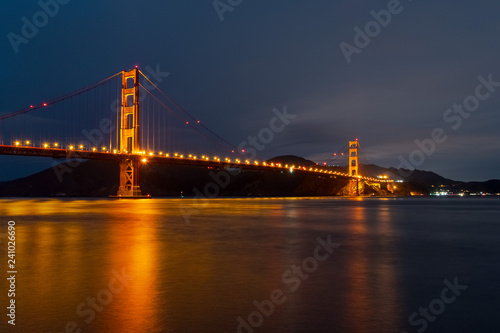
x=353 y=167
x=129 y=136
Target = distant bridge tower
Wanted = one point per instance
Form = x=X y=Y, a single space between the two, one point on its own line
x=129 y=135
x=353 y=167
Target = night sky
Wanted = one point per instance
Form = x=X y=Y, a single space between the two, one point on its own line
x=231 y=73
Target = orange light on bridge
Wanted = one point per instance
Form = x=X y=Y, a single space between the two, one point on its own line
x=103 y=148
x=27 y=142
x=160 y=153
x=56 y=145
x=256 y=162
x=17 y=143
x=71 y=147
x=144 y=160
x=150 y=154
x=247 y=162
x=45 y=145
x=167 y=155
x=94 y=149
x=81 y=146
x=114 y=151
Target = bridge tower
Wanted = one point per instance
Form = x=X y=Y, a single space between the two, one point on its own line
x=129 y=135
x=353 y=167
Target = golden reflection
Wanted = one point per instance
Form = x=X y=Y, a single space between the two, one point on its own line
x=387 y=274
x=359 y=220
x=372 y=291
x=133 y=252
x=358 y=295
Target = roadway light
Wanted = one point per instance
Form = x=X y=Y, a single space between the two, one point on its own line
x=18 y=143
x=81 y=146
x=56 y=144
x=71 y=147
x=94 y=149
x=45 y=145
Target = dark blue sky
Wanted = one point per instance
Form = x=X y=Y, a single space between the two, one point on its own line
x=270 y=54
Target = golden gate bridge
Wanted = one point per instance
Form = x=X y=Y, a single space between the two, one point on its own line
x=127 y=118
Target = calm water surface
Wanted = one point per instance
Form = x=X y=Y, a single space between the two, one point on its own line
x=166 y=265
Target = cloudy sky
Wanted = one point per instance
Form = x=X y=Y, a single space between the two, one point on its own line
x=344 y=74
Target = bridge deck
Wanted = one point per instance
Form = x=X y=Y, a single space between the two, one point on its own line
x=98 y=155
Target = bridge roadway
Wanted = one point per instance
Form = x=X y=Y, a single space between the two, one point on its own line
x=59 y=153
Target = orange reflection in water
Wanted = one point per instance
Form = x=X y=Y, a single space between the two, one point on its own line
x=372 y=289
x=133 y=252
x=358 y=301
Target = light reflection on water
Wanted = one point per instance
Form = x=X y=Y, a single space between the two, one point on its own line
x=199 y=277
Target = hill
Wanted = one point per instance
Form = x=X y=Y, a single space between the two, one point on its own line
x=100 y=178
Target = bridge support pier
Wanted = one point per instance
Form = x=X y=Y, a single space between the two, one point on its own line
x=129 y=178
